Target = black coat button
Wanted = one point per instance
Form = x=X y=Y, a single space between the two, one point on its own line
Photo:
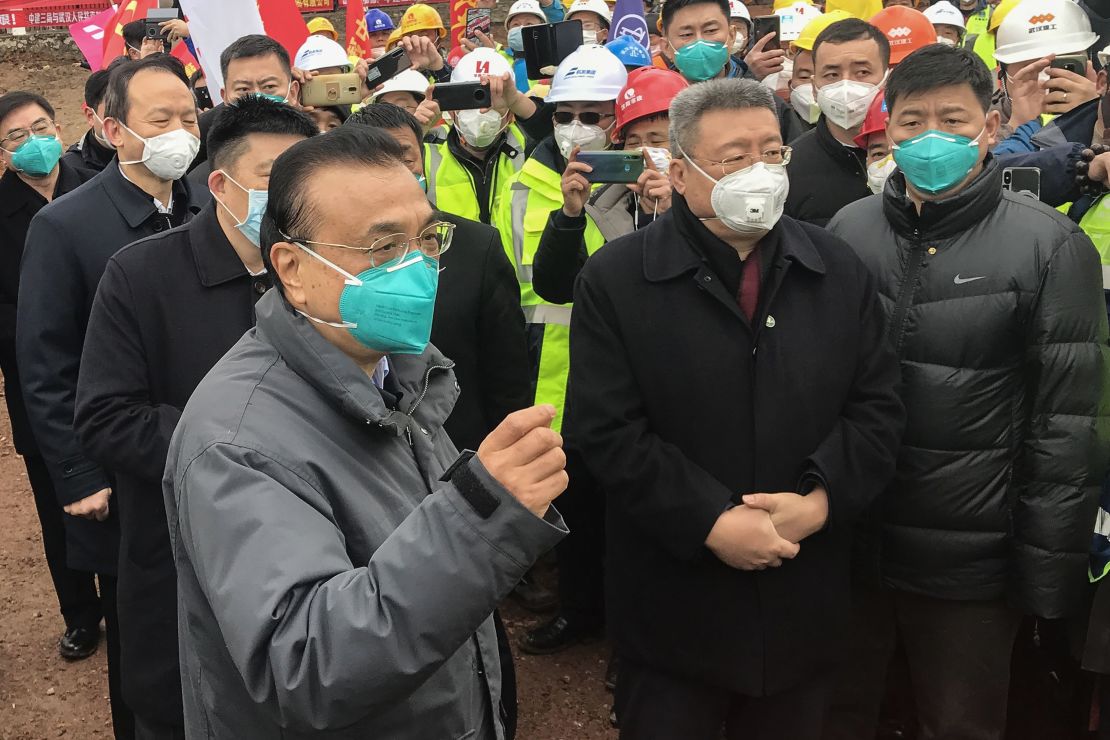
x=159 y=226
x=260 y=287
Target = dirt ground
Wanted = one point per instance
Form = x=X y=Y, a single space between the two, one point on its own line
x=562 y=697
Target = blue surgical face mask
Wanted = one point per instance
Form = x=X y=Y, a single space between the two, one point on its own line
x=388 y=308
x=256 y=206
x=516 y=39
x=936 y=161
x=422 y=181
x=701 y=60
x=38 y=156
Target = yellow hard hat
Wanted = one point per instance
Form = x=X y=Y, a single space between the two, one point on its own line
x=393 y=39
x=999 y=14
x=320 y=24
x=421 y=17
x=781 y=4
x=814 y=28
x=862 y=9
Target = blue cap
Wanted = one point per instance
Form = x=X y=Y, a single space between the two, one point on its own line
x=377 y=20
x=630 y=51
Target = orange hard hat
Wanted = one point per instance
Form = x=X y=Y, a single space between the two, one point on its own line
x=648 y=92
x=906 y=29
x=874 y=121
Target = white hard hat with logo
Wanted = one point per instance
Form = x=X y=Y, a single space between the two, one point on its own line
x=737 y=9
x=525 y=7
x=1037 y=28
x=408 y=81
x=945 y=13
x=320 y=52
x=481 y=61
x=794 y=18
x=591 y=73
x=594 y=6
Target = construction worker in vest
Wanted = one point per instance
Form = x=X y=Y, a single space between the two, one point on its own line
x=378 y=27
x=584 y=90
x=421 y=35
x=469 y=173
x=615 y=209
x=977 y=18
x=1034 y=40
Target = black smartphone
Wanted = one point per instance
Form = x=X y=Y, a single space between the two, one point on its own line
x=389 y=66
x=613 y=166
x=461 y=95
x=1074 y=63
x=1022 y=180
x=203 y=97
x=548 y=44
x=764 y=25
x=478 y=19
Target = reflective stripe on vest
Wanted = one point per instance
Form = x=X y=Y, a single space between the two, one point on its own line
x=451 y=184
x=543 y=313
x=1096 y=224
x=519 y=208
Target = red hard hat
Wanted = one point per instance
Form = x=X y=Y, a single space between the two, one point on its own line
x=906 y=29
x=874 y=121
x=455 y=55
x=648 y=92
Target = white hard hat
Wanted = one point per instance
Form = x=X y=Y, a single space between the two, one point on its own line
x=591 y=73
x=1037 y=28
x=945 y=13
x=320 y=52
x=794 y=18
x=737 y=9
x=1104 y=56
x=408 y=81
x=594 y=6
x=525 y=7
x=481 y=61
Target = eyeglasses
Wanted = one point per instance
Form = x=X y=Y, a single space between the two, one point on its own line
x=41 y=127
x=433 y=241
x=778 y=155
x=588 y=118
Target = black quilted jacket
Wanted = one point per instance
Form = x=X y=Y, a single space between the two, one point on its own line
x=994 y=304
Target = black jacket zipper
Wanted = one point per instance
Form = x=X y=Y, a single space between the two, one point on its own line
x=897 y=329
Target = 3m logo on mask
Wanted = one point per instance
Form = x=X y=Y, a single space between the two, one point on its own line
x=580 y=73
x=1043 y=22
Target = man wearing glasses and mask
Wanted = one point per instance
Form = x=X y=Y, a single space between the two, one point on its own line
x=338 y=560
x=733 y=468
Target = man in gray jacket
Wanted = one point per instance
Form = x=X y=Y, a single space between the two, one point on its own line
x=994 y=305
x=338 y=561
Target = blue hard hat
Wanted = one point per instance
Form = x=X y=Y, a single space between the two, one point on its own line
x=630 y=51
x=378 y=20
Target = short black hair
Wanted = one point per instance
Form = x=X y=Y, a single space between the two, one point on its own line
x=195 y=77
x=252 y=114
x=289 y=209
x=387 y=116
x=117 y=102
x=673 y=6
x=133 y=34
x=254 y=45
x=853 y=29
x=16 y=99
x=95 y=87
x=938 y=65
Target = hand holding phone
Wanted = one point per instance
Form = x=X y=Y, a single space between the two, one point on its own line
x=548 y=44
x=478 y=20
x=389 y=66
x=613 y=166
x=462 y=95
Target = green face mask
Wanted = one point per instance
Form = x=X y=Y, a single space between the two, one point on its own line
x=701 y=60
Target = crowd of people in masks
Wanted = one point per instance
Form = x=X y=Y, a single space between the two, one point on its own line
x=812 y=410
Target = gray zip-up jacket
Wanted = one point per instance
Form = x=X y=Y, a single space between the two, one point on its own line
x=329 y=584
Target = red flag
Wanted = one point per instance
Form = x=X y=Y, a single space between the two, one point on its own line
x=181 y=51
x=358 y=40
x=132 y=10
x=284 y=23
